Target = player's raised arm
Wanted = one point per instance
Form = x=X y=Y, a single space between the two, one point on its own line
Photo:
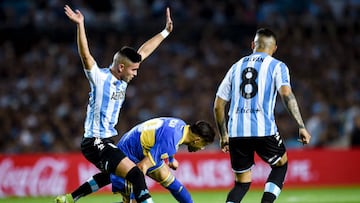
x=150 y=45
x=83 y=48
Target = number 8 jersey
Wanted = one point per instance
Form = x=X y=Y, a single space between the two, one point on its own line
x=251 y=84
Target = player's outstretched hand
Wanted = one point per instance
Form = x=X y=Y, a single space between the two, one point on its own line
x=77 y=17
x=304 y=136
x=169 y=23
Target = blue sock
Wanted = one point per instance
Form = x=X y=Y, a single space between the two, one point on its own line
x=180 y=193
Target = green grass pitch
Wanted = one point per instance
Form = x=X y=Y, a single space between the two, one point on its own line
x=305 y=195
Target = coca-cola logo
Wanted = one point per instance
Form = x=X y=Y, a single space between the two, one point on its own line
x=45 y=177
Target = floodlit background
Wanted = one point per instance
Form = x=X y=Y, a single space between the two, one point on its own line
x=44 y=92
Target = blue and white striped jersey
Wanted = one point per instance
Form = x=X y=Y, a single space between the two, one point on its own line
x=106 y=97
x=251 y=84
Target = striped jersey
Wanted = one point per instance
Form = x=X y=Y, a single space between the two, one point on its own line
x=251 y=84
x=106 y=97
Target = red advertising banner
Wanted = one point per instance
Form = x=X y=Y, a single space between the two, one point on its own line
x=53 y=174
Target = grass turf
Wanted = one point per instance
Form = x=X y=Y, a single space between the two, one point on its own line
x=304 y=195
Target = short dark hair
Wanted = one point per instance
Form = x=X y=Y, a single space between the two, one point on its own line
x=204 y=130
x=266 y=32
x=131 y=54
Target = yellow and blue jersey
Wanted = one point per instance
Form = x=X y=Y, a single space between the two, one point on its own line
x=158 y=139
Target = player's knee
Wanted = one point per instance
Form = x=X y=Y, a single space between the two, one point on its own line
x=281 y=168
x=135 y=176
x=243 y=177
x=111 y=157
x=282 y=161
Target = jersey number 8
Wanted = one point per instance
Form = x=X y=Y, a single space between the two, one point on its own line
x=248 y=86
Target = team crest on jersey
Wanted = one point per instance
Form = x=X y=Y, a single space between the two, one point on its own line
x=118 y=95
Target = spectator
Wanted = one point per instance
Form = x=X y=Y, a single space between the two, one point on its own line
x=355 y=134
x=328 y=42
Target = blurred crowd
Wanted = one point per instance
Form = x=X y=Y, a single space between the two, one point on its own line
x=44 y=92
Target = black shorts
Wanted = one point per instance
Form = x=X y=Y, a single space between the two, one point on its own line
x=242 y=151
x=103 y=153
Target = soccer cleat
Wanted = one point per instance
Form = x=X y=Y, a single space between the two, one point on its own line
x=149 y=200
x=64 y=199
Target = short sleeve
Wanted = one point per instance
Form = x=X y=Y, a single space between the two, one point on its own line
x=93 y=74
x=282 y=76
x=224 y=90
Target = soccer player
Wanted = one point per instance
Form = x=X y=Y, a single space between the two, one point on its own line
x=149 y=144
x=108 y=86
x=252 y=84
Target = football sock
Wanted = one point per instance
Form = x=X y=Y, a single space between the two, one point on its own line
x=92 y=185
x=180 y=193
x=137 y=178
x=274 y=183
x=268 y=197
x=237 y=192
